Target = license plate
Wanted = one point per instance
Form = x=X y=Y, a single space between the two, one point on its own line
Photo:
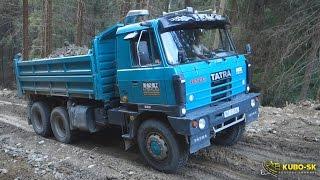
x=231 y=112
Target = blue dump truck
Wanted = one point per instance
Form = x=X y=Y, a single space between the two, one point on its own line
x=164 y=81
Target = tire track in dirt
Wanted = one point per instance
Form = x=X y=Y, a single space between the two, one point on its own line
x=192 y=171
x=16 y=121
x=110 y=161
x=12 y=103
x=242 y=161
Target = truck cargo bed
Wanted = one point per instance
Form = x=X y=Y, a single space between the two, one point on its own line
x=90 y=76
x=67 y=76
x=74 y=76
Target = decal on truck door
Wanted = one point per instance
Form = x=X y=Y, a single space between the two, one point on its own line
x=151 y=89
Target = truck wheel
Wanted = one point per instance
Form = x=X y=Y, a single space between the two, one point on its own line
x=60 y=125
x=160 y=147
x=229 y=136
x=40 y=119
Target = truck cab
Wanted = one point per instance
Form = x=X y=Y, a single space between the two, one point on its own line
x=175 y=85
x=172 y=66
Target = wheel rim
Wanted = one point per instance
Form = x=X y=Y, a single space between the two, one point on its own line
x=157 y=146
x=59 y=126
x=37 y=120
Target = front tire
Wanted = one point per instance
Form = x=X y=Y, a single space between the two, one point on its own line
x=230 y=136
x=40 y=119
x=160 y=146
x=61 y=125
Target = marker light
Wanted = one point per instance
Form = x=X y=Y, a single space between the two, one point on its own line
x=191 y=98
x=194 y=124
x=183 y=111
x=239 y=70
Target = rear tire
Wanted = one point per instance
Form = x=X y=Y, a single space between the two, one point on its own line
x=40 y=119
x=229 y=136
x=160 y=147
x=61 y=125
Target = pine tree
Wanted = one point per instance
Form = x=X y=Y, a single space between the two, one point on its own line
x=26 y=47
x=47 y=28
x=80 y=12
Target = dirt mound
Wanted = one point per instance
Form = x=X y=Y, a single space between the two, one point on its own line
x=69 y=50
x=8 y=94
x=300 y=121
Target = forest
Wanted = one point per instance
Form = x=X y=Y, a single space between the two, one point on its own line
x=285 y=35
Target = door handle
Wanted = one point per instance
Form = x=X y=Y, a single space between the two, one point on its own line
x=135 y=83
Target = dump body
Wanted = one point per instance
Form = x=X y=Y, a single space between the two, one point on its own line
x=68 y=76
x=89 y=76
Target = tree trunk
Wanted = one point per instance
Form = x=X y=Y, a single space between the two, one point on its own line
x=168 y=5
x=80 y=13
x=187 y=3
x=47 y=28
x=220 y=10
x=125 y=7
x=95 y=13
x=309 y=69
x=2 y=65
x=43 y=32
x=234 y=11
x=25 y=30
x=145 y=4
x=257 y=14
x=142 y=4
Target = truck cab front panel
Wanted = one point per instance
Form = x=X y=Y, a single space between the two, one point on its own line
x=213 y=81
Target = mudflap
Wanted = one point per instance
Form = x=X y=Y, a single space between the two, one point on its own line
x=29 y=112
x=199 y=141
x=252 y=115
x=128 y=144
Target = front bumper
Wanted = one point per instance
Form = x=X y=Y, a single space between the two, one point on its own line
x=216 y=119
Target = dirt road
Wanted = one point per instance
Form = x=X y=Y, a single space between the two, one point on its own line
x=287 y=135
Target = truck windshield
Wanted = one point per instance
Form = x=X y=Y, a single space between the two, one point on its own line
x=196 y=44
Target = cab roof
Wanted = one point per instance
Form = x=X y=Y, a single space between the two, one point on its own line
x=177 y=21
x=189 y=20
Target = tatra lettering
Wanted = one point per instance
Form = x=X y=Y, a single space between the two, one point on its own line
x=221 y=75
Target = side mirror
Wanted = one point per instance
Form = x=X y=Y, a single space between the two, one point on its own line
x=182 y=56
x=248 y=49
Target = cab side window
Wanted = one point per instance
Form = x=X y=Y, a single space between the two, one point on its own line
x=145 y=52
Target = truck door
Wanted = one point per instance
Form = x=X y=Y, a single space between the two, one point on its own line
x=145 y=78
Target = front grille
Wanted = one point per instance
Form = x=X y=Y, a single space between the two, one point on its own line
x=221 y=90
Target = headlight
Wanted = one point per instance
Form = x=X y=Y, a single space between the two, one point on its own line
x=191 y=98
x=253 y=103
x=183 y=111
x=202 y=123
x=248 y=88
